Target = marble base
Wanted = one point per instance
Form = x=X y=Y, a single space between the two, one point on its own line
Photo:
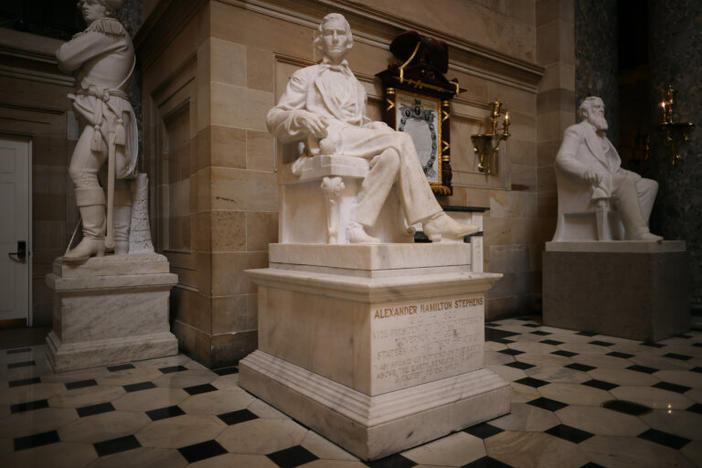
x=110 y=310
x=373 y=427
x=631 y=289
x=377 y=347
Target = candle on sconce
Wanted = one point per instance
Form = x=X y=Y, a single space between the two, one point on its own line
x=675 y=133
x=506 y=122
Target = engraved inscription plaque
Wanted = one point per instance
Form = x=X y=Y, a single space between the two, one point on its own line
x=418 y=342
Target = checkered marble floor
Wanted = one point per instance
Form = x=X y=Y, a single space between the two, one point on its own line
x=578 y=399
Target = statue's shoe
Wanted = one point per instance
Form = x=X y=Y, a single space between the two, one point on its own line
x=443 y=228
x=87 y=248
x=646 y=235
x=356 y=234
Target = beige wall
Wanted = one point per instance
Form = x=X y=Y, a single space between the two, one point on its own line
x=210 y=84
x=212 y=68
x=556 y=104
x=507 y=27
x=33 y=104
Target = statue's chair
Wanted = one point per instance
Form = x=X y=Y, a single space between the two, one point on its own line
x=317 y=197
x=580 y=218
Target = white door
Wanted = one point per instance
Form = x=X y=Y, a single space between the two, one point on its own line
x=14 y=229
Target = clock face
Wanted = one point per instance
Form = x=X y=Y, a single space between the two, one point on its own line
x=419 y=116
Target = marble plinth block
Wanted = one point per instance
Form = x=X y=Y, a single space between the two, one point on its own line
x=377 y=347
x=110 y=310
x=631 y=289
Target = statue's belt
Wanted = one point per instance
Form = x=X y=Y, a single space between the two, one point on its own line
x=104 y=95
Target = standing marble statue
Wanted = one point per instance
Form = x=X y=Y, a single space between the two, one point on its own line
x=325 y=106
x=102 y=60
x=586 y=155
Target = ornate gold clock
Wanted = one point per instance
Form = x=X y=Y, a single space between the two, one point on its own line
x=417 y=101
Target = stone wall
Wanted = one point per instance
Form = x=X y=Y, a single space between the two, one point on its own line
x=596 y=62
x=131 y=16
x=33 y=106
x=207 y=86
x=174 y=65
x=501 y=27
x=210 y=69
x=675 y=57
x=556 y=104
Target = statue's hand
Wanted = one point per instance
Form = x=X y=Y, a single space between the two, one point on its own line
x=592 y=178
x=315 y=124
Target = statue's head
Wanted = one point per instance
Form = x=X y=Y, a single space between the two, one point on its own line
x=592 y=109
x=97 y=9
x=333 y=39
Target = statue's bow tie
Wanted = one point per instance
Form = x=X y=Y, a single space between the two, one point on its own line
x=343 y=67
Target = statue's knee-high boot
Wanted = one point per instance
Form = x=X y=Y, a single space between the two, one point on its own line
x=91 y=203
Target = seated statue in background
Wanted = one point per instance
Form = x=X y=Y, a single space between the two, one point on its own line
x=325 y=106
x=102 y=59
x=587 y=155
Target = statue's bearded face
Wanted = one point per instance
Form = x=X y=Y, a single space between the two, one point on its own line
x=92 y=10
x=335 y=39
x=596 y=115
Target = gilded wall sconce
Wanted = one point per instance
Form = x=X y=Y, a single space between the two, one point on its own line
x=487 y=145
x=674 y=133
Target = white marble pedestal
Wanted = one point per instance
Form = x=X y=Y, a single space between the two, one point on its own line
x=631 y=289
x=110 y=310
x=377 y=347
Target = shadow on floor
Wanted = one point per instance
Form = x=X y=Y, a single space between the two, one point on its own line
x=17 y=337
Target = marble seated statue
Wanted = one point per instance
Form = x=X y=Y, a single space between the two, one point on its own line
x=102 y=60
x=597 y=198
x=362 y=177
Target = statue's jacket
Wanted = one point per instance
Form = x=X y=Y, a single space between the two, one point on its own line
x=102 y=59
x=308 y=91
x=583 y=150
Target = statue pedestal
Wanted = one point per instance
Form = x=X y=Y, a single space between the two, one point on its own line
x=110 y=310
x=631 y=289
x=376 y=347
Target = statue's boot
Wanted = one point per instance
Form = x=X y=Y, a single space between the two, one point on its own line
x=630 y=211
x=122 y=216
x=442 y=228
x=356 y=234
x=91 y=203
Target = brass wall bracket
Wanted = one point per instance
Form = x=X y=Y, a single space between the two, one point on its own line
x=487 y=145
x=675 y=133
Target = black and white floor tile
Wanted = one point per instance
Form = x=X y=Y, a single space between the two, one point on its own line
x=578 y=399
